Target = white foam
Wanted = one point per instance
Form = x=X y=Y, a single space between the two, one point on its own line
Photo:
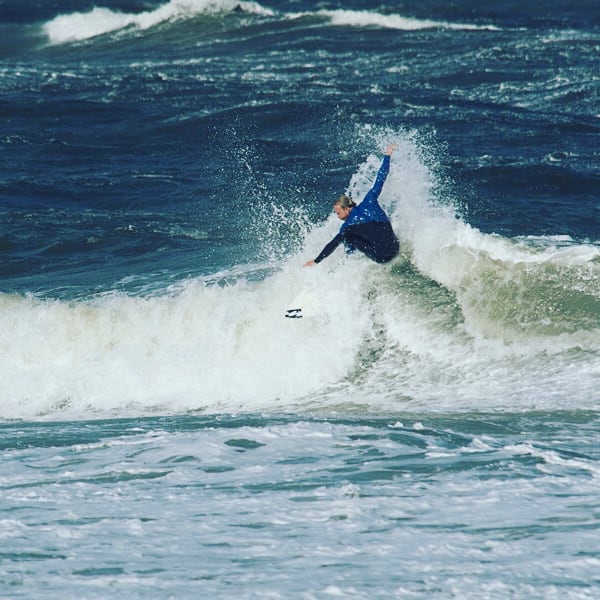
x=364 y=18
x=207 y=347
x=553 y=462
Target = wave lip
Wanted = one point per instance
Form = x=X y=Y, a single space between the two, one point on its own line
x=80 y=26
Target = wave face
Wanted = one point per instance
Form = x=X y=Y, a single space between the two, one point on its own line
x=460 y=319
x=169 y=166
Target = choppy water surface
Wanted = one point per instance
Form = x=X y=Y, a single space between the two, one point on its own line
x=470 y=504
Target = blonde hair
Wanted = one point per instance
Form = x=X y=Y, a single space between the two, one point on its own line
x=344 y=202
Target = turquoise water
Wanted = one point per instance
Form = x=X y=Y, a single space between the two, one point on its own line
x=252 y=506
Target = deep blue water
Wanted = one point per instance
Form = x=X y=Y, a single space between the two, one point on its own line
x=429 y=430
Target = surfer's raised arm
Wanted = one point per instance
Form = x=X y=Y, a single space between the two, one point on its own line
x=366 y=227
x=389 y=150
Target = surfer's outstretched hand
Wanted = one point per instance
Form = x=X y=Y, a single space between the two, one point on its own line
x=309 y=263
x=389 y=149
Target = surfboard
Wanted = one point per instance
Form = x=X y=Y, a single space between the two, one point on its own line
x=305 y=304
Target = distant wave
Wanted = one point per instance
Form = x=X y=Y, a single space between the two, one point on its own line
x=363 y=18
x=81 y=26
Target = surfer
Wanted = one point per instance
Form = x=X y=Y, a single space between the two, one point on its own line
x=366 y=227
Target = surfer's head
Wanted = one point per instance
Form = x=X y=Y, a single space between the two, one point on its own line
x=343 y=207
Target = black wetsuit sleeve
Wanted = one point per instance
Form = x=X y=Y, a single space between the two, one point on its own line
x=333 y=244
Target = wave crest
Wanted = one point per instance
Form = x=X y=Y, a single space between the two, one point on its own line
x=364 y=18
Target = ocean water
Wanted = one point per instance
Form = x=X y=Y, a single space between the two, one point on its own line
x=430 y=429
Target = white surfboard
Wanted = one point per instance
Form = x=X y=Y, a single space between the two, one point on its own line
x=305 y=304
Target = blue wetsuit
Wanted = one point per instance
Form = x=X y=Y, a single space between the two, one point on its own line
x=367 y=227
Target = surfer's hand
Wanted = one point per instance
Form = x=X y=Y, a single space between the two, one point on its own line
x=309 y=263
x=390 y=148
